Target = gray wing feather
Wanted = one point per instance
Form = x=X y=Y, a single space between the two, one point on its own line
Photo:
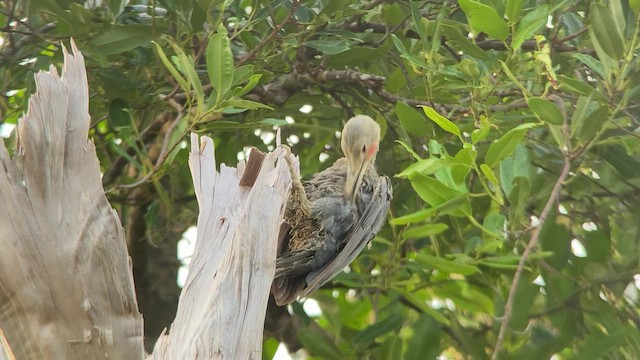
x=365 y=229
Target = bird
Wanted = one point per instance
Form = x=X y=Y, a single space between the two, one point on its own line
x=330 y=218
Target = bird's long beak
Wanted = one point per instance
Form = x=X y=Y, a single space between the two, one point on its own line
x=356 y=171
x=354 y=179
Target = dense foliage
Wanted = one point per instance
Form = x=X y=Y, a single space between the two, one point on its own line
x=510 y=127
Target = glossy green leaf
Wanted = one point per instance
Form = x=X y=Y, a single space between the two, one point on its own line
x=593 y=64
x=603 y=31
x=172 y=69
x=505 y=145
x=441 y=121
x=245 y=104
x=119 y=116
x=484 y=18
x=385 y=326
x=318 y=344
x=514 y=166
x=455 y=205
x=122 y=38
x=329 y=47
x=513 y=9
x=220 y=63
x=616 y=156
x=424 y=230
x=592 y=123
x=446 y=266
x=424 y=343
x=391 y=349
x=462 y=43
x=427 y=166
x=599 y=345
x=412 y=121
x=253 y=81
x=529 y=24
x=545 y=110
x=435 y=193
x=187 y=66
x=422 y=305
x=518 y=197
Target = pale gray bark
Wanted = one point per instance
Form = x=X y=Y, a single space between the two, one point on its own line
x=66 y=288
x=223 y=303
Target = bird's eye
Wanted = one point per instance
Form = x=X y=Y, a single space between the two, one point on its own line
x=364 y=148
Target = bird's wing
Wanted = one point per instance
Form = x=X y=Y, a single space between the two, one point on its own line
x=365 y=229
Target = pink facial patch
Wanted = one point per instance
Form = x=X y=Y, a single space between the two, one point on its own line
x=372 y=150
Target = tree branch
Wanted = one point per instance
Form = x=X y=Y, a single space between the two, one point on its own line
x=248 y=56
x=533 y=242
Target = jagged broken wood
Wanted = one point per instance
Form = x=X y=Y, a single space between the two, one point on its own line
x=66 y=287
x=223 y=303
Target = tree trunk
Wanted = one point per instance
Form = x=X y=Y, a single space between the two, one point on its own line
x=66 y=290
x=222 y=306
x=66 y=287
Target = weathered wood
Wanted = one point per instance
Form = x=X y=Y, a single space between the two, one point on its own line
x=223 y=303
x=66 y=287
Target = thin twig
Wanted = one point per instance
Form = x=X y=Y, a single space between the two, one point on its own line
x=164 y=152
x=553 y=199
x=248 y=56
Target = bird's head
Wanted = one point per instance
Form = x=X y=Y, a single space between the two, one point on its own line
x=360 y=138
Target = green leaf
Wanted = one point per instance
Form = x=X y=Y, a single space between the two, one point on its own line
x=512 y=10
x=484 y=18
x=504 y=146
x=174 y=72
x=421 y=304
x=253 y=81
x=462 y=43
x=242 y=74
x=518 y=197
x=329 y=47
x=545 y=110
x=591 y=62
x=425 y=166
x=529 y=24
x=424 y=231
x=480 y=134
x=220 y=63
x=318 y=344
x=459 y=205
x=592 y=123
x=425 y=343
x=409 y=150
x=616 y=156
x=122 y=38
x=390 y=349
x=604 y=31
x=598 y=345
x=488 y=173
x=441 y=121
x=578 y=87
x=269 y=348
x=368 y=335
x=412 y=121
x=188 y=67
x=119 y=116
x=435 y=193
x=446 y=266
x=635 y=6
x=494 y=222
x=244 y=104
x=513 y=167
